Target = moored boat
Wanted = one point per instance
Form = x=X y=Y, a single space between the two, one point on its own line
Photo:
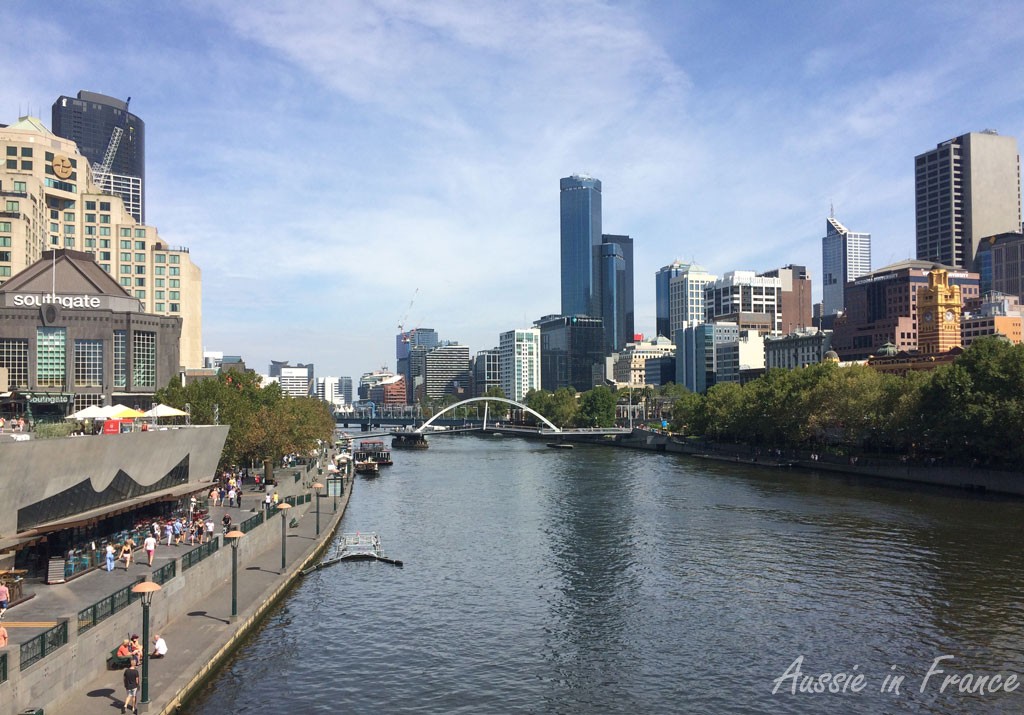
x=409 y=440
x=367 y=467
x=373 y=449
x=355 y=547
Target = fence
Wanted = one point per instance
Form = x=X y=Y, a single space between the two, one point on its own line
x=251 y=523
x=3 y=667
x=165 y=573
x=89 y=617
x=43 y=644
x=196 y=555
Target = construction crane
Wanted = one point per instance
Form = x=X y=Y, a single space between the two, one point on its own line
x=101 y=172
x=407 y=336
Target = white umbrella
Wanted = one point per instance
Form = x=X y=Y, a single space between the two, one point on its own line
x=87 y=413
x=159 y=410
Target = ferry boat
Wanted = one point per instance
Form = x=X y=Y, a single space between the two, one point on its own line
x=367 y=467
x=355 y=547
x=372 y=449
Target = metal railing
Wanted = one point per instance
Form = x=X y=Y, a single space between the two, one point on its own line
x=117 y=601
x=251 y=523
x=42 y=645
x=3 y=667
x=191 y=558
x=165 y=573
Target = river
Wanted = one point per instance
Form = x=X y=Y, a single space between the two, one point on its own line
x=600 y=580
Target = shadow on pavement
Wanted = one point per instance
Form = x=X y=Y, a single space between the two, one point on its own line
x=204 y=614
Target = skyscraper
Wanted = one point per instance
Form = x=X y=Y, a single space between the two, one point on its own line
x=617 y=311
x=580 y=202
x=686 y=297
x=519 y=362
x=90 y=120
x=662 y=306
x=966 y=189
x=845 y=256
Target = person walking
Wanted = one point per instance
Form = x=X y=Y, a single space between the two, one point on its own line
x=131 y=686
x=5 y=599
x=150 y=546
x=168 y=532
x=110 y=557
x=3 y=636
x=127 y=549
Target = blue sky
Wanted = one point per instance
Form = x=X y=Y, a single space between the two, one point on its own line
x=325 y=162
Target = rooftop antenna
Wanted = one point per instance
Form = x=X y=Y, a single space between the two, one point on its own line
x=831 y=210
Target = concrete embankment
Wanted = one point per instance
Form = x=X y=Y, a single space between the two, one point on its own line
x=192 y=611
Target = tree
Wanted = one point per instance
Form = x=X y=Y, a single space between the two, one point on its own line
x=563 y=407
x=496 y=410
x=597 y=408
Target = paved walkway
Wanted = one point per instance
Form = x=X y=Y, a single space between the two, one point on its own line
x=196 y=639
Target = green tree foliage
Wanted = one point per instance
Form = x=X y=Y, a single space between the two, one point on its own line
x=685 y=411
x=263 y=423
x=597 y=408
x=496 y=410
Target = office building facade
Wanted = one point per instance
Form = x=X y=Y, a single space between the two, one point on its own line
x=571 y=352
x=50 y=203
x=686 y=297
x=486 y=371
x=751 y=301
x=90 y=120
x=519 y=362
x=618 y=312
x=580 y=209
x=662 y=303
x=845 y=256
x=797 y=349
x=446 y=371
x=794 y=297
x=696 y=354
x=966 y=189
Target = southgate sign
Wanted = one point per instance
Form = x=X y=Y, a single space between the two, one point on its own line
x=65 y=301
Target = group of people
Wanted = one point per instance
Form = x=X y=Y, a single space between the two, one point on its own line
x=132 y=649
x=17 y=424
x=197 y=530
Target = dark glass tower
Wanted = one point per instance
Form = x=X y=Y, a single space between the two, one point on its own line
x=89 y=120
x=618 y=311
x=581 y=245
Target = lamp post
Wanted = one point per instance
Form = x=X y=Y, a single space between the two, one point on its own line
x=318 y=486
x=145 y=590
x=234 y=535
x=283 y=507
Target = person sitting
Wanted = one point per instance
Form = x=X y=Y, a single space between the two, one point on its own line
x=125 y=649
x=159 y=647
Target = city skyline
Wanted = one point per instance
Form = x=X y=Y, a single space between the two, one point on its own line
x=290 y=149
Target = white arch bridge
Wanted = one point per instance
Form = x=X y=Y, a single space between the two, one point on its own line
x=552 y=428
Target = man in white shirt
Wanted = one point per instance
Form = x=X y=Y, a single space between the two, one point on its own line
x=150 y=546
x=159 y=647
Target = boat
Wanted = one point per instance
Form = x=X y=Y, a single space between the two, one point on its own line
x=559 y=445
x=367 y=467
x=355 y=547
x=372 y=449
x=409 y=440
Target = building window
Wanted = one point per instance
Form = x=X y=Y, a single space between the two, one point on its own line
x=125 y=232
x=14 y=356
x=120 y=358
x=140 y=282
x=175 y=270
x=126 y=270
x=159 y=281
x=5 y=271
x=160 y=257
x=104 y=218
x=126 y=257
x=140 y=233
x=89 y=363
x=90 y=218
x=143 y=359
x=104 y=230
x=175 y=295
x=5 y=256
x=90 y=206
x=140 y=246
x=26 y=152
x=125 y=281
x=159 y=270
x=140 y=257
x=175 y=258
x=140 y=270
x=69 y=215
x=104 y=255
x=126 y=245
x=175 y=308
x=12 y=206
x=12 y=163
x=69 y=229
x=105 y=266
x=140 y=294
x=69 y=243
x=20 y=187
x=160 y=307
x=12 y=151
x=104 y=206
x=5 y=226
x=51 y=356
x=159 y=295
x=26 y=166
x=5 y=241
x=104 y=243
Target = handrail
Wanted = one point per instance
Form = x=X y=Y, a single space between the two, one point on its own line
x=3 y=667
x=165 y=573
x=106 y=607
x=252 y=522
x=191 y=558
x=34 y=650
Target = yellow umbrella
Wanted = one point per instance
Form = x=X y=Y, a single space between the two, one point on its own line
x=124 y=412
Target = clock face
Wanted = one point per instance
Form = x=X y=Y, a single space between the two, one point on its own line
x=62 y=166
x=949 y=315
x=927 y=316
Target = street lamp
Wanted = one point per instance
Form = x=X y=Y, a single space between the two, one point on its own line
x=318 y=486
x=145 y=590
x=283 y=508
x=234 y=535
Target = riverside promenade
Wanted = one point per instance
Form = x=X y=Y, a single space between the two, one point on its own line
x=192 y=611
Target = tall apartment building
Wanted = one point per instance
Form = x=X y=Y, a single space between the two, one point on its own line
x=345 y=389
x=794 y=297
x=295 y=381
x=48 y=201
x=696 y=354
x=845 y=256
x=966 y=188
x=686 y=297
x=326 y=390
x=519 y=362
x=662 y=299
x=91 y=120
x=446 y=371
x=751 y=301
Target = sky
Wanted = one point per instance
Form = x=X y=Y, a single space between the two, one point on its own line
x=339 y=168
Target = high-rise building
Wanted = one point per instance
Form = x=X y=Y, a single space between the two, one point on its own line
x=580 y=203
x=49 y=202
x=91 y=120
x=519 y=362
x=295 y=381
x=845 y=256
x=794 y=297
x=621 y=306
x=345 y=389
x=486 y=371
x=446 y=370
x=753 y=302
x=686 y=297
x=661 y=296
x=966 y=188
x=571 y=351
x=696 y=354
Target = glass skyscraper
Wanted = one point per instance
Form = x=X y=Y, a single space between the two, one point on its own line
x=845 y=256
x=581 y=245
x=89 y=120
x=662 y=303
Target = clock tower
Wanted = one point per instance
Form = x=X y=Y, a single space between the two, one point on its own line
x=938 y=314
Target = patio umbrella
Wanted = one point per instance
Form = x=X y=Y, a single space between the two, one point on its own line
x=159 y=410
x=87 y=413
x=124 y=412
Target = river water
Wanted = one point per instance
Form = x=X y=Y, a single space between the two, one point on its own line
x=600 y=580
